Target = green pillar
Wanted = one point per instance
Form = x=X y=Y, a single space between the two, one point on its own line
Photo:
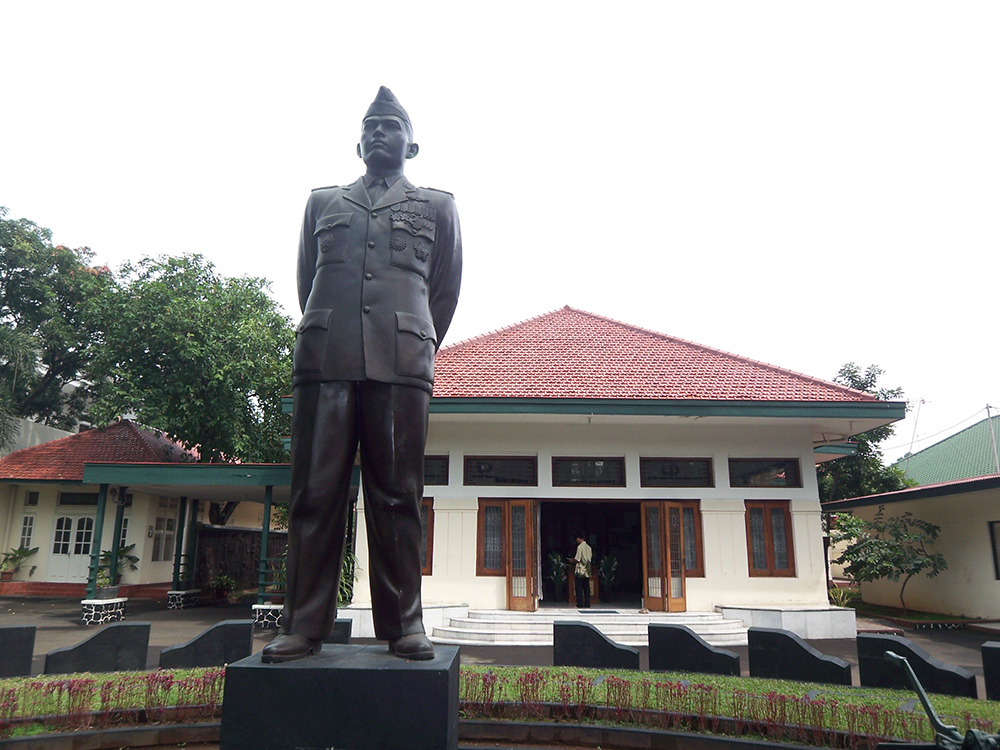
x=116 y=543
x=264 y=539
x=191 y=541
x=95 y=549
x=179 y=545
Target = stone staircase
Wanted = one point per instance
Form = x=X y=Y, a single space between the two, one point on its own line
x=628 y=627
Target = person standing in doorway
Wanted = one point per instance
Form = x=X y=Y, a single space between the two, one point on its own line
x=584 y=554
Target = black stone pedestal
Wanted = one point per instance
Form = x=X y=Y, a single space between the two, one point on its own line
x=347 y=698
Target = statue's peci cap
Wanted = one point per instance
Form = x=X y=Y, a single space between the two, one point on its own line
x=387 y=104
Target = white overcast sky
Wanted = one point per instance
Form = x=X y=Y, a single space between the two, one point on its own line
x=803 y=183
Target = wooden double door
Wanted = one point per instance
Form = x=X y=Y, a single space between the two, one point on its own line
x=662 y=525
x=663 y=556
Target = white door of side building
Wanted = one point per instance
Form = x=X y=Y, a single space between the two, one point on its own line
x=71 y=547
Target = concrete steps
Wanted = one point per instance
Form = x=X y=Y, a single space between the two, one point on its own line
x=505 y=628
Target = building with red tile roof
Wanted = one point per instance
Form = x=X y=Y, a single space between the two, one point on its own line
x=572 y=354
x=689 y=468
x=62 y=460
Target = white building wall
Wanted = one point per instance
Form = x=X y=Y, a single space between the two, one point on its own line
x=727 y=579
x=969 y=586
x=40 y=567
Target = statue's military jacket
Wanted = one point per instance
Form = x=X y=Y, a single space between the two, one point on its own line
x=378 y=284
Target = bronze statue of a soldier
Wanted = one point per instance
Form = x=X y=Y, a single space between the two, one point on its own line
x=379 y=270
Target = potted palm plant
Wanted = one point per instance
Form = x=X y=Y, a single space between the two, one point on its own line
x=607 y=572
x=13 y=560
x=557 y=573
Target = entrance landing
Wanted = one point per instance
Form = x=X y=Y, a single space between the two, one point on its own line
x=626 y=626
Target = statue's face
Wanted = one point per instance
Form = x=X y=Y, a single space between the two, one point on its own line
x=385 y=142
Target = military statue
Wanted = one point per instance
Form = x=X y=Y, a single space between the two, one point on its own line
x=379 y=270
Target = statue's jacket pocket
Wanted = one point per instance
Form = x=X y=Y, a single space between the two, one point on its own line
x=311 y=341
x=333 y=237
x=415 y=345
x=411 y=239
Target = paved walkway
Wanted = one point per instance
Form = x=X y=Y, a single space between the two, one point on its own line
x=58 y=626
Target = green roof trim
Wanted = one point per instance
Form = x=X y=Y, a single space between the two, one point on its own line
x=889 y=410
x=842 y=449
x=958 y=487
x=224 y=475
x=964 y=455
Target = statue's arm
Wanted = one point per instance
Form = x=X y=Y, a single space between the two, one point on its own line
x=306 y=268
x=446 y=272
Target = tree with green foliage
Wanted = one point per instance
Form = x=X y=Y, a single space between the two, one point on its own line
x=202 y=357
x=895 y=547
x=49 y=296
x=864 y=473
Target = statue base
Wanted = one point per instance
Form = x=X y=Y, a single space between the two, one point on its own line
x=345 y=697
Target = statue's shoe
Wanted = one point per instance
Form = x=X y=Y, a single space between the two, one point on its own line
x=416 y=646
x=288 y=647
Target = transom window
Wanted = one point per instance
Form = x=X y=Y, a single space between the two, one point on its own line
x=501 y=470
x=764 y=472
x=78 y=498
x=588 y=472
x=676 y=472
x=30 y=499
x=435 y=470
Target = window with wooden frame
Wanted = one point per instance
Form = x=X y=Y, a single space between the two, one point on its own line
x=676 y=472
x=515 y=471
x=764 y=472
x=694 y=559
x=588 y=472
x=490 y=539
x=435 y=470
x=426 y=535
x=769 y=538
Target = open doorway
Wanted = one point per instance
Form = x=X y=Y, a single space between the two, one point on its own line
x=611 y=528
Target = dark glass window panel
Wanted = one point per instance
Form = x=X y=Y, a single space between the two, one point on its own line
x=758 y=540
x=519 y=553
x=654 y=573
x=764 y=472
x=690 y=541
x=31 y=499
x=78 y=498
x=995 y=539
x=501 y=470
x=435 y=470
x=676 y=472
x=493 y=537
x=779 y=538
x=588 y=472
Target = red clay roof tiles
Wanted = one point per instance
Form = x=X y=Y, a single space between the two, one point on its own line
x=63 y=459
x=570 y=353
